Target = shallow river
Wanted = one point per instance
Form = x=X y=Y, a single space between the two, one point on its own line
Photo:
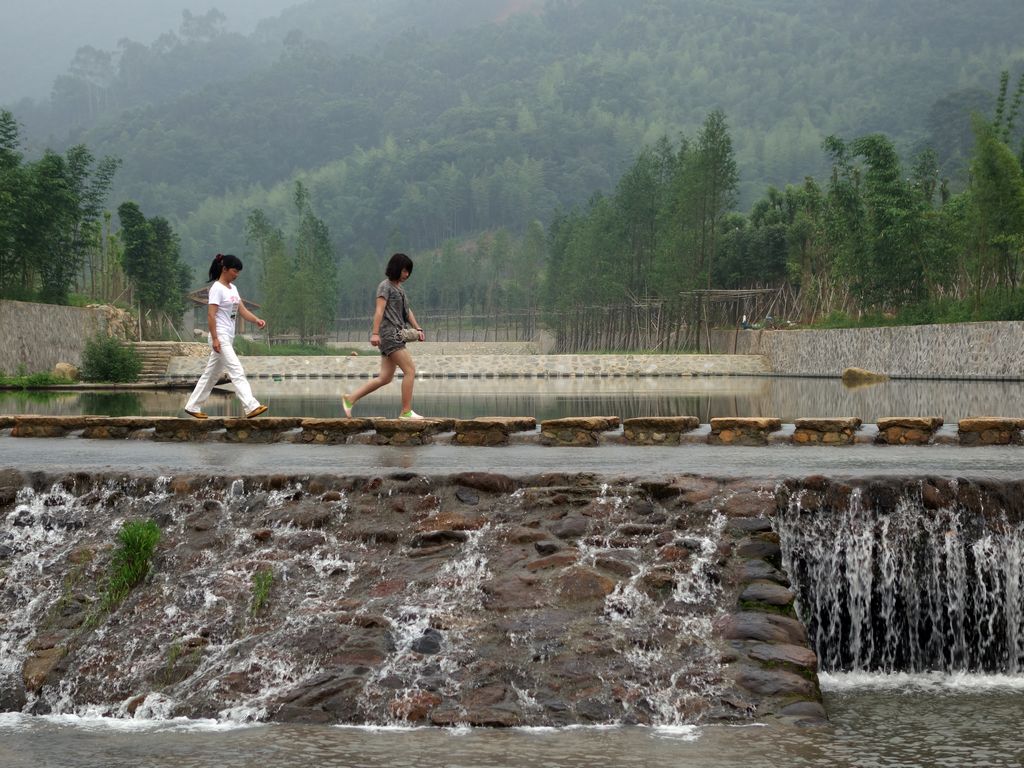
x=787 y=398
x=876 y=721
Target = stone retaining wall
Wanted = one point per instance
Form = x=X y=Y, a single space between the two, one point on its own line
x=496 y=366
x=38 y=336
x=956 y=351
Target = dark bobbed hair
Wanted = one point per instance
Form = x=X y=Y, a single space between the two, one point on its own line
x=396 y=264
x=224 y=261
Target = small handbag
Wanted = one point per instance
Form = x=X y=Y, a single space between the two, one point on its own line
x=409 y=334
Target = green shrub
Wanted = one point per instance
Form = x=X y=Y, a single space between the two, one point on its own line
x=28 y=381
x=107 y=359
x=130 y=563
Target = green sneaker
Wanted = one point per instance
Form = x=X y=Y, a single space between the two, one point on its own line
x=410 y=414
x=346 y=406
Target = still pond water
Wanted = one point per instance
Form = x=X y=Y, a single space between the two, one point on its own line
x=786 y=398
x=876 y=721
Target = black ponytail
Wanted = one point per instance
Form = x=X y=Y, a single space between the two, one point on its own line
x=224 y=261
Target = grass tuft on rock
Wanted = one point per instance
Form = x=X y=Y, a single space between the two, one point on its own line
x=261 y=584
x=130 y=564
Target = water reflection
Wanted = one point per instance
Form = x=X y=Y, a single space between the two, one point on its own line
x=705 y=397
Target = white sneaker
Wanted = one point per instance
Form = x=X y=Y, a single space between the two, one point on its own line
x=410 y=415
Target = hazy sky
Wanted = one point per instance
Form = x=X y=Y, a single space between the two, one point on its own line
x=38 y=38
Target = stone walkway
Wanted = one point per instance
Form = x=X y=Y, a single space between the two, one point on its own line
x=497 y=430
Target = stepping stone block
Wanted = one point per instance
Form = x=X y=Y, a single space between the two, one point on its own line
x=173 y=429
x=332 y=431
x=838 y=431
x=991 y=430
x=657 y=430
x=577 y=431
x=259 y=430
x=742 y=431
x=907 y=430
x=409 y=431
x=116 y=427
x=491 y=430
x=48 y=426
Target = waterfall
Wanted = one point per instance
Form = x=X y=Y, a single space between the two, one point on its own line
x=894 y=580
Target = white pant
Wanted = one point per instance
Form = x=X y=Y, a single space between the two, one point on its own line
x=227 y=360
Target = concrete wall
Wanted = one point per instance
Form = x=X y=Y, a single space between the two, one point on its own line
x=957 y=351
x=38 y=336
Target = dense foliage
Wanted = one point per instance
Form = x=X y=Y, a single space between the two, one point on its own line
x=413 y=122
x=51 y=215
x=543 y=154
x=57 y=242
x=299 y=279
x=883 y=238
x=130 y=563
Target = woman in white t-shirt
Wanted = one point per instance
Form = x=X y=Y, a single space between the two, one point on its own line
x=223 y=306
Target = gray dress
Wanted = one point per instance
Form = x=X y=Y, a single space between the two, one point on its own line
x=396 y=313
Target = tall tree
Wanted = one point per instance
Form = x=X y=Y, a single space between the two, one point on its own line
x=12 y=182
x=997 y=192
x=276 y=272
x=316 y=272
x=717 y=178
x=299 y=285
x=152 y=261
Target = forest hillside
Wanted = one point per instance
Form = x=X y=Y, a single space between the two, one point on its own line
x=414 y=124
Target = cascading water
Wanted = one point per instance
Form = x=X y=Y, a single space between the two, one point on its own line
x=649 y=637
x=363 y=600
x=423 y=658
x=900 y=581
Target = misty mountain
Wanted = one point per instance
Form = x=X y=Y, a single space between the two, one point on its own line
x=417 y=121
x=39 y=38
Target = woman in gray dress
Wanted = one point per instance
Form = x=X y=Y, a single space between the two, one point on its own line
x=391 y=316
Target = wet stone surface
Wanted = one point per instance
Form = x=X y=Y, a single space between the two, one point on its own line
x=474 y=598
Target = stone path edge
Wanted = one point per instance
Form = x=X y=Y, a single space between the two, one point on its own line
x=496 y=431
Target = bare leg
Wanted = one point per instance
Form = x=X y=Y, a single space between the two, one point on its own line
x=387 y=373
x=403 y=360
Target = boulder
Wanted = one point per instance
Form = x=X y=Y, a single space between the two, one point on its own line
x=861 y=377
x=65 y=371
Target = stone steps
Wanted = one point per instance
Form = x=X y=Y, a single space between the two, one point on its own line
x=155 y=357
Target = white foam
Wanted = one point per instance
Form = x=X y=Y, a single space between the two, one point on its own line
x=678 y=732
x=917 y=683
x=100 y=723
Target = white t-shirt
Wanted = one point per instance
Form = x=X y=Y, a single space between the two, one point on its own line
x=228 y=303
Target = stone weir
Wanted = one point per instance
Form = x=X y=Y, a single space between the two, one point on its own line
x=502 y=430
x=908 y=575
x=480 y=599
